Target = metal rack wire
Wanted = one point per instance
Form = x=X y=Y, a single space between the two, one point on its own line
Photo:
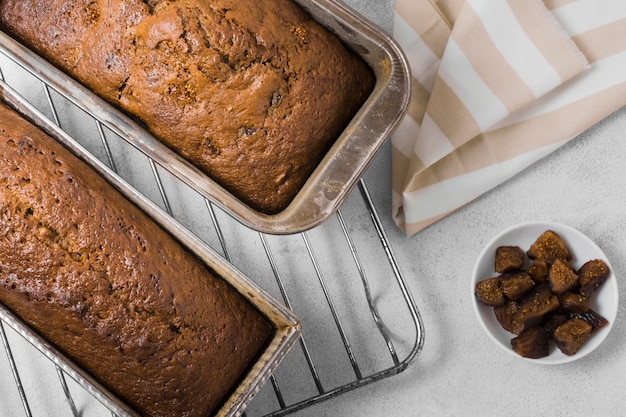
x=354 y=332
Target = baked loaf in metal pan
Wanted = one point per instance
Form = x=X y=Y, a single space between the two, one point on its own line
x=106 y=286
x=251 y=92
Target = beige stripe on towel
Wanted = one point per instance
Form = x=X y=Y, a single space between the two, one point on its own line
x=479 y=112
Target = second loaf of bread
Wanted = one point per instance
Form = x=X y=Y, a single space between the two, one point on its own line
x=252 y=92
x=109 y=288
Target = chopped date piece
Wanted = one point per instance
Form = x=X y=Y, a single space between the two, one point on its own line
x=516 y=285
x=532 y=343
x=571 y=335
x=592 y=275
x=489 y=292
x=561 y=277
x=549 y=246
x=504 y=314
x=573 y=302
x=509 y=258
x=538 y=271
x=553 y=320
x=592 y=317
x=539 y=302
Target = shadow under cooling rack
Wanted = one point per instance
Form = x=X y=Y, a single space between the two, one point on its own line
x=360 y=322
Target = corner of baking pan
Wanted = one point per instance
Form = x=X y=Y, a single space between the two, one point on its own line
x=347 y=160
x=339 y=170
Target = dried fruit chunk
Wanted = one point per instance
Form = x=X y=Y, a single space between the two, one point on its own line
x=592 y=317
x=561 y=277
x=592 y=275
x=573 y=302
x=538 y=271
x=571 y=335
x=489 y=292
x=516 y=285
x=551 y=321
x=532 y=343
x=549 y=246
x=539 y=302
x=504 y=314
x=509 y=258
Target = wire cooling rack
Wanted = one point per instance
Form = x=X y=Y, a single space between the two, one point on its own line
x=360 y=322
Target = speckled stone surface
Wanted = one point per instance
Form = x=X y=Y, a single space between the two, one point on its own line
x=460 y=372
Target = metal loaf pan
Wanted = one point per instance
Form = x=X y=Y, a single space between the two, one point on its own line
x=286 y=324
x=339 y=170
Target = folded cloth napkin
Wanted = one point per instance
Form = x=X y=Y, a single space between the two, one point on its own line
x=497 y=85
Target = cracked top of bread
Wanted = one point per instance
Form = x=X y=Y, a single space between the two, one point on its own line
x=110 y=289
x=252 y=92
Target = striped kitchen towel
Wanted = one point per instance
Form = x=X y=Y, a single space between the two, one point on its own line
x=497 y=85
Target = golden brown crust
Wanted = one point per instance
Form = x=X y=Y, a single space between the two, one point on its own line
x=251 y=92
x=102 y=282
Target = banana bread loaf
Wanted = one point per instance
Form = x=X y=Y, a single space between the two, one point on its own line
x=252 y=92
x=103 y=283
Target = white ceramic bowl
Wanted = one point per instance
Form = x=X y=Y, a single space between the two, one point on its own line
x=604 y=301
